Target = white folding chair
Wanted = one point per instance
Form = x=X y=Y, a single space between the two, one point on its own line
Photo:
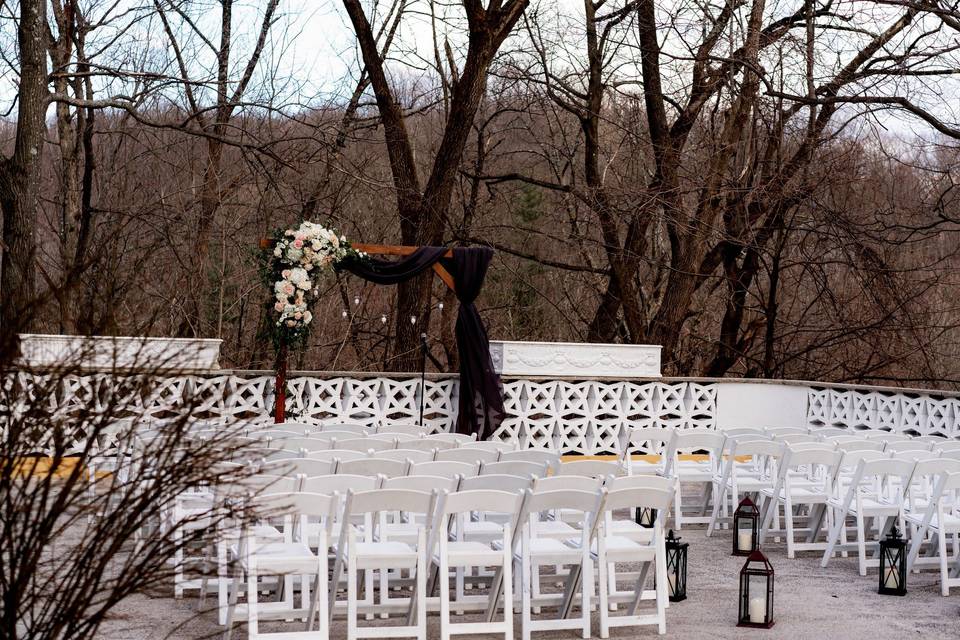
x=458 y=553
x=778 y=432
x=694 y=472
x=885 y=436
x=256 y=558
x=860 y=445
x=650 y=442
x=376 y=552
x=739 y=478
x=806 y=479
x=876 y=490
x=610 y=548
x=344 y=427
x=539 y=550
x=908 y=445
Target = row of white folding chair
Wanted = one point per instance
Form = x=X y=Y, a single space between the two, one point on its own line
x=880 y=488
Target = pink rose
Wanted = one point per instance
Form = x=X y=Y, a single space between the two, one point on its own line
x=286 y=274
x=298 y=243
x=278 y=306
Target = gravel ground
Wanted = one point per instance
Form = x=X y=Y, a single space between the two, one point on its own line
x=810 y=603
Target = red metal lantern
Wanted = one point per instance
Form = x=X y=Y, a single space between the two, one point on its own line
x=756 y=592
x=746 y=528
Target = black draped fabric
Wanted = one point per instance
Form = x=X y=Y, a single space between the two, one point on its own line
x=481 y=402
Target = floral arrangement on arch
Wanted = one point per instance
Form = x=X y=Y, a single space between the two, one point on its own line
x=292 y=263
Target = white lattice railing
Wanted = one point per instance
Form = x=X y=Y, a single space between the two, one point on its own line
x=587 y=416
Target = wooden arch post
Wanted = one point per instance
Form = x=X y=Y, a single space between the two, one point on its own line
x=280 y=382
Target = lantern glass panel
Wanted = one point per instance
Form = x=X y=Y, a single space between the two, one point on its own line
x=676 y=568
x=893 y=565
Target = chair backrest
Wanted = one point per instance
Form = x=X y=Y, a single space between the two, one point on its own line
x=777 y=432
x=333 y=454
x=908 y=445
x=828 y=431
x=275 y=434
x=302 y=428
x=852 y=458
x=336 y=434
x=641 y=481
x=486 y=500
x=406 y=500
x=294 y=503
x=339 y=483
x=459 y=438
x=694 y=440
x=514 y=468
x=274 y=455
x=257 y=484
x=423 y=483
x=278 y=468
x=413 y=455
x=860 y=445
x=540 y=456
x=876 y=434
x=745 y=432
x=797 y=438
x=887 y=467
x=467 y=454
x=539 y=500
x=425 y=444
x=374 y=467
x=950 y=453
x=512 y=484
x=445 y=469
x=490 y=445
x=406 y=429
x=573 y=483
x=639 y=497
x=914 y=454
x=591 y=468
x=365 y=444
x=301 y=443
x=344 y=427
x=649 y=440
x=932 y=438
x=308 y=467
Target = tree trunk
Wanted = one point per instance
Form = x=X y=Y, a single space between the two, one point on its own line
x=20 y=174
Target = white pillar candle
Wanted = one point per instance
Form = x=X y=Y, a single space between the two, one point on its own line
x=890 y=579
x=672 y=583
x=744 y=539
x=758 y=610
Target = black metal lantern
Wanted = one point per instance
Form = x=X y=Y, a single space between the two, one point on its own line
x=756 y=592
x=676 y=568
x=646 y=517
x=746 y=528
x=893 y=564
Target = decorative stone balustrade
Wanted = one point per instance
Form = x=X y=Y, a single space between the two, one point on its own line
x=573 y=416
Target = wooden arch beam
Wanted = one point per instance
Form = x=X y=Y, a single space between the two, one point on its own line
x=401 y=250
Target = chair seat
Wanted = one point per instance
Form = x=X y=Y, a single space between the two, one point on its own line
x=631 y=529
x=555 y=529
x=282 y=557
x=951 y=522
x=471 y=554
x=623 y=549
x=391 y=553
x=552 y=551
x=871 y=506
x=482 y=531
x=803 y=495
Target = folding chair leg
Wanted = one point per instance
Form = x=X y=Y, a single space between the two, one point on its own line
x=253 y=623
x=507 y=586
x=586 y=593
x=525 y=599
x=861 y=544
x=944 y=572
